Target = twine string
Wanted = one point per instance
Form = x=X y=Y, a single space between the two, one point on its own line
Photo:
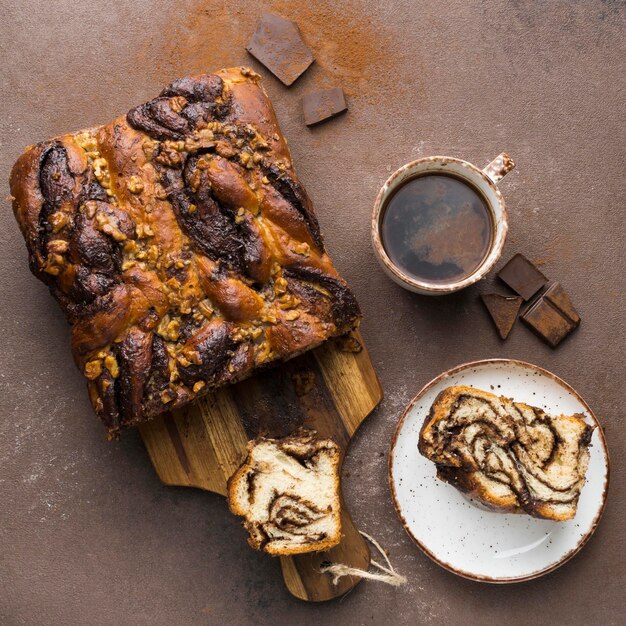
x=389 y=575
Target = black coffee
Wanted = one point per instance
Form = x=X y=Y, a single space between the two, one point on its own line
x=437 y=228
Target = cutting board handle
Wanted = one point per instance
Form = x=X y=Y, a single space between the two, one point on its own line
x=330 y=390
x=302 y=573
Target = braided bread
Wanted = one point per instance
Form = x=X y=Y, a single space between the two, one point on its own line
x=288 y=492
x=181 y=246
x=508 y=455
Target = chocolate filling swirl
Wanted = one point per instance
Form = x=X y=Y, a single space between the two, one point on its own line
x=507 y=454
x=287 y=491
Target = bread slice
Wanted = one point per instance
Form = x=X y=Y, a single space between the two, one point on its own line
x=287 y=490
x=509 y=455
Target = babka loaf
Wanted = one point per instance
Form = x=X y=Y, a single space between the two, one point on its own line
x=181 y=246
x=506 y=454
x=288 y=492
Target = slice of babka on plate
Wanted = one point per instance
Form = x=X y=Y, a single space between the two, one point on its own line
x=508 y=455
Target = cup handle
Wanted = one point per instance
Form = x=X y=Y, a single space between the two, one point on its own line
x=499 y=168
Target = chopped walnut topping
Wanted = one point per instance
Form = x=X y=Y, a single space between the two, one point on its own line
x=280 y=285
x=199 y=385
x=177 y=103
x=192 y=355
x=148 y=146
x=205 y=308
x=58 y=221
x=269 y=318
x=182 y=360
x=153 y=253
x=195 y=180
x=143 y=231
x=292 y=315
x=131 y=247
x=259 y=143
x=110 y=362
x=135 y=184
x=87 y=142
x=169 y=156
x=58 y=246
x=101 y=172
x=303 y=249
x=264 y=352
x=93 y=369
x=173 y=330
x=109 y=227
x=169 y=329
x=288 y=302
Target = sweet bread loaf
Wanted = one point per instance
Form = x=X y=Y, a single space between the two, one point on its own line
x=509 y=455
x=181 y=246
x=287 y=490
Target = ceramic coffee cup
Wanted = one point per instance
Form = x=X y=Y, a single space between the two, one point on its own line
x=484 y=181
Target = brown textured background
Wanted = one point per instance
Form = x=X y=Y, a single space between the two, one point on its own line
x=88 y=535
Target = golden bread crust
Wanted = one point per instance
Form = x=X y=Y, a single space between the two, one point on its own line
x=181 y=246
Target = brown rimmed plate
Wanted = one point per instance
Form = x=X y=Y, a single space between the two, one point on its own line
x=461 y=535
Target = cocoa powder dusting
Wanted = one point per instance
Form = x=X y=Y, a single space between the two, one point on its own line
x=350 y=51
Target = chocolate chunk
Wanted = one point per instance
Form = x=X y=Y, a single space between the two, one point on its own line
x=548 y=321
x=323 y=104
x=503 y=311
x=557 y=296
x=277 y=44
x=522 y=276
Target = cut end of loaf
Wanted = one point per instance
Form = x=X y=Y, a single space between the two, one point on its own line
x=287 y=491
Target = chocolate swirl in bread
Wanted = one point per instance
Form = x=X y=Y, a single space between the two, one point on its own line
x=507 y=454
x=181 y=246
x=288 y=492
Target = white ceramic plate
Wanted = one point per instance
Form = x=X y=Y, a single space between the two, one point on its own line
x=464 y=537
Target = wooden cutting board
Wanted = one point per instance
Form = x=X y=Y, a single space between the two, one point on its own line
x=331 y=389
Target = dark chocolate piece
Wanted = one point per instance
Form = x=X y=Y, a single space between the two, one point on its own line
x=548 y=321
x=522 y=276
x=557 y=296
x=503 y=311
x=323 y=104
x=277 y=44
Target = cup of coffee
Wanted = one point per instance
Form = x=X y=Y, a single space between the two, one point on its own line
x=439 y=223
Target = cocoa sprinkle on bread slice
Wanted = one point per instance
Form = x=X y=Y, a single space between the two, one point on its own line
x=509 y=455
x=288 y=492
